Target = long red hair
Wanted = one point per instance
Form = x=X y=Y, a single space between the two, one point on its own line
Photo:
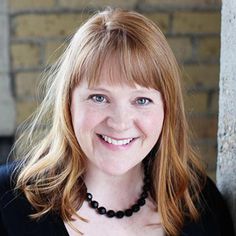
x=54 y=163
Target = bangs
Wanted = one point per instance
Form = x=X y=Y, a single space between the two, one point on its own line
x=126 y=61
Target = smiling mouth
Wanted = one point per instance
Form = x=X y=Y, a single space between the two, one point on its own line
x=116 y=142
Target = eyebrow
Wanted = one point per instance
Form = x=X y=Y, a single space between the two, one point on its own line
x=108 y=91
x=99 y=89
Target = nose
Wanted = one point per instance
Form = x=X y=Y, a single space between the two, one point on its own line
x=120 y=118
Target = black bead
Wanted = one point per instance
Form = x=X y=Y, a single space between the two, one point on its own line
x=145 y=188
x=147 y=180
x=146 y=170
x=144 y=195
x=135 y=208
x=94 y=204
x=141 y=202
x=102 y=210
x=120 y=214
x=110 y=213
x=89 y=197
x=128 y=212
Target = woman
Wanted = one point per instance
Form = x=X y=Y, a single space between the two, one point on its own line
x=108 y=151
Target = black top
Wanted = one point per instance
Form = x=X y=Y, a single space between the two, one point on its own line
x=15 y=210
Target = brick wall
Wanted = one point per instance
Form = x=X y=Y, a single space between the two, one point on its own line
x=192 y=27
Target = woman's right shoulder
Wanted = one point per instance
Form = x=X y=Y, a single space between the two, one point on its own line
x=7 y=177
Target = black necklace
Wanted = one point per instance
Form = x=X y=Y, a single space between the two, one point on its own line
x=121 y=213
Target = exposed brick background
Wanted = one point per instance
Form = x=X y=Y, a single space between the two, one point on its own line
x=192 y=27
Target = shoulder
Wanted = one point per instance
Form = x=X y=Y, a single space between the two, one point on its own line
x=214 y=202
x=214 y=217
x=15 y=209
x=7 y=180
x=8 y=192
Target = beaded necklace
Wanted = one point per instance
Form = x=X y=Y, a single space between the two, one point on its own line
x=127 y=212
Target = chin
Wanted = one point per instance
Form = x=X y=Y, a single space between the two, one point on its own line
x=116 y=170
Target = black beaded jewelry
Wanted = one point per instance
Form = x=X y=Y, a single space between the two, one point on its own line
x=121 y=213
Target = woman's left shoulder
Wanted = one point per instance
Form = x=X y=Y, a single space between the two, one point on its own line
x=214 y=217
x=212 y=200
x=210 y=194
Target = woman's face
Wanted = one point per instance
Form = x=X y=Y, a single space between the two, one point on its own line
x=116 y=125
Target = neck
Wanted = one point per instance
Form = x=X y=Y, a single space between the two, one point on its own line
x=115 y=192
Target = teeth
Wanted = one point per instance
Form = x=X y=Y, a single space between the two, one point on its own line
x=116 y=142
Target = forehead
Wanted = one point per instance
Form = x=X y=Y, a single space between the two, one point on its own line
x=115 y=88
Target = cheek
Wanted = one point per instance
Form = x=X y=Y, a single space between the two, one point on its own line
x=151 y=123
x=85 y=120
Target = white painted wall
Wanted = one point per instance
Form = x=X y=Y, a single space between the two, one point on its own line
x=226 y=164
x=7 y=106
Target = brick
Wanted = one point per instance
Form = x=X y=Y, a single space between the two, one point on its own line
x=181 y=47
x=201 y=75
x=196 y=102
x=47 y=25
x=24 y=109
x=26 y=84
x=196 y=22
x=202 y=101
x=204 y=126
x=208 y=153
x=25 y=55
x=52 y=51
x=184 y=3
x=209 y=48
x=29 y=4
x=161 y=19
x=211 y=171
x=212 y=175
x=214 y=106
x=95 y=3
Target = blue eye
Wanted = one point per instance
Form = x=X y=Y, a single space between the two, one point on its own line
x=98 y=98
x=143 y=101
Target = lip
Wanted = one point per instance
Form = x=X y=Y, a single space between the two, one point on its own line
x=113 y=147
x=117 y=138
